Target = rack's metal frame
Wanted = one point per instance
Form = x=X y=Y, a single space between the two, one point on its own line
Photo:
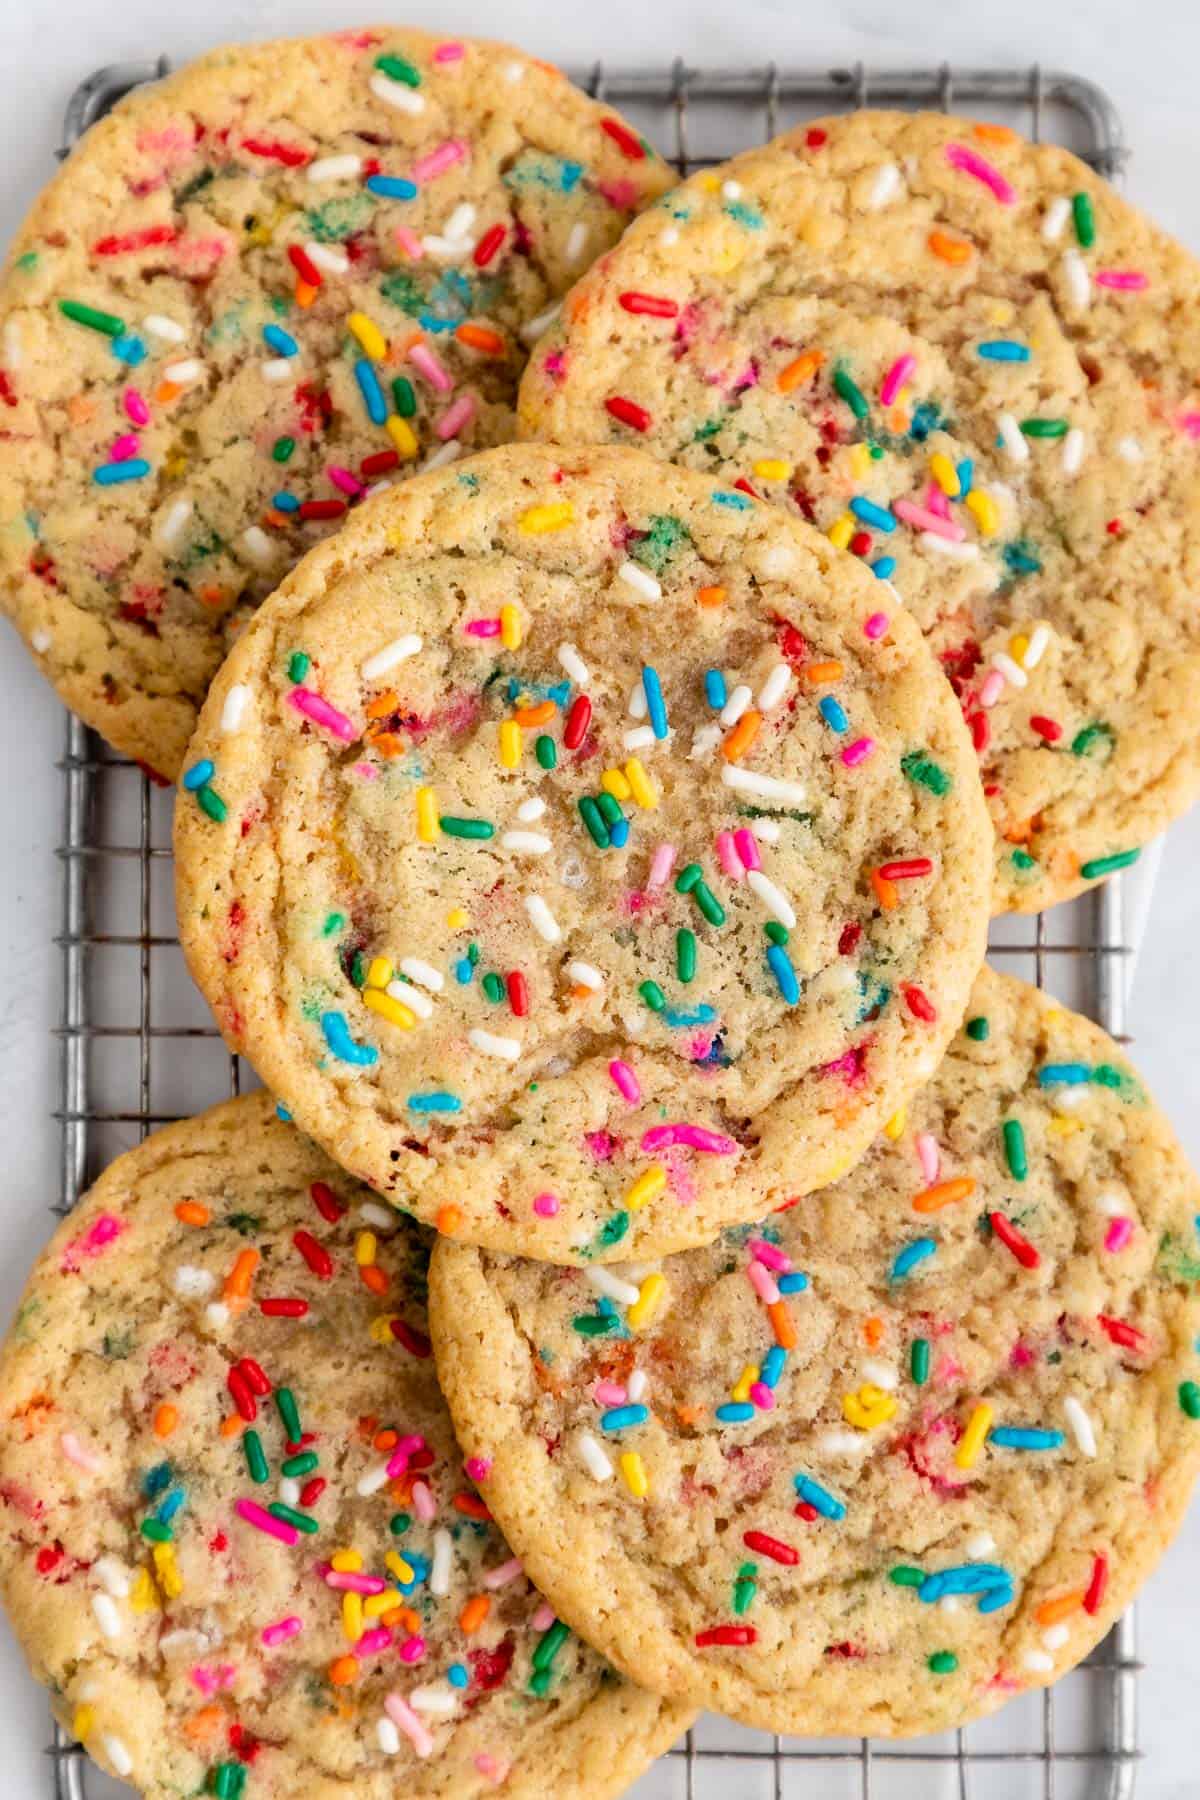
x=699 y=106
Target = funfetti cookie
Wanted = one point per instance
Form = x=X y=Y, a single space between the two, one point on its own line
x=898 y=1453
x=240 y=1545
x=286 y=275
x=969 y=361
x=588 y=856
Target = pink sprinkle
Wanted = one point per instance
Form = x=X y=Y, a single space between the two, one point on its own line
x=423 y=1503
x=211 y=1681
x=342 y=478
x=1118 y=1235
x=281 y=1631
x=368 y=771
x=501 y=1576
x=895 y=378
x=1127 y=281
x=696 y=1137
x=543 y=1618
x=124 y=447
x=609 y=1393
x=75 y=1453
x=321 y=713
x=876 y=625
x=746 y=845
x=478 y=1468
x=459 y=413
x=1189 y=423
x=262 y=1520
x=426 y=363
x=482 y=628
x=448 y=53
x=763 y=1282
x=491 y=1768
x=135 y=407
x=661 y=864
x=959 y=156
x=762 y=1396
x=770 y=1254
x=728 y=856
x=991 y=688
x=625 y=1081
x=930 y=1157
x=412 y=1649
x=96 y=1238
x=373 y=1641
x=410 y=243
x=402 y=1714
x=546 y=1206
x=922 y=519
x=937 y=501
x=439 y=160
x=857 y=752
x=348 y=1581
x=623 y=195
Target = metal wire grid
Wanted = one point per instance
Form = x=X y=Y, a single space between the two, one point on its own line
x=138 y=1047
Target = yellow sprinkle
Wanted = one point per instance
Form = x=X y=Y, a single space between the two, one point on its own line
x=860 y=462
x=368 y=334
x=983 y=510
x=427 y=819
x=365 y=1246
x=402 y=435
x=380 y=972
x=745 y=1381
x=710 y=183
x=945 y=474
x=352 y=1617
x=346 y=1562
x=647 y=1303
x=510 y=627
x=727 y=258
x=395 y=1565
x=640 y=784
x=1017 y=647
x=1063 y=1126
x=83 y=1722
x=539 y=519
x=169 y=1578
x=974 y=1437
x=869 y=1407
x=457 y=918
x=142 y=1595
x=614 y=783
x=633 y=1469
x=841 y=531
x=650 y=1182
x=1000 y=312
x=895 y=1125
x=510 y=744
x=1053 y=1015
x=394 y=1011
x=380 y=1328
x=772 y=468
x=375 y=1604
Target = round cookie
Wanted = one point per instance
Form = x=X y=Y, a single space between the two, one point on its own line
x=240 y=1545
x=904 y=1451
x=969 y=359
x=478 y=867
x=283 y=276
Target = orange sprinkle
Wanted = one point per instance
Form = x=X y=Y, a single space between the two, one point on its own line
x=237 y=1282
x=739 y=740
x=583 y=993
x=944 y=1193
x=204 y=1725
x=994 y=134
x=80 y=409
x=478 y=337
x=474 y=1613
x=212 y=596
x=231 y=1426
x=1020 y=832
x=190 y=1212
x=873 y=1330
x=166 y=391
x=687 y=1415
x=387 y=743
x=383 y=704
x=448 y=1220
x=373 y=1277
x=951 y=250
x=397 y=1616
x=343 y=1670
x=306 y=293
x=165 y=1419
x=275 y=519
x=472 y=1505
x=886 y=892
x=783 y=1325
x=1051 y=1611
x=899 y=421
x=577 y=303
x=530 y=717
x=385 y=1440
x=711 y=596
x=820 y=674
x=803 y=369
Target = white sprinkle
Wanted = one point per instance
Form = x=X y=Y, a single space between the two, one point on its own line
x=731 y=190
x=461 y=220
x=638 y=579
x=774 y=687
x=637 y=1384
x=1037 y=1662
x=216 y=1314
x=386 y=1736
x=843 y=1443
x=234 y=709
x=117 y=1754
x=641 y=737
x=289 y=1491
x=376 y=487
x=184 y=1643
x=1082 y=1429
x=1011 y=671
x=1079 y=282
x=446 y=249
x=377 y=1216
x=396 y=652
x=767 y=787
x=980 y=1546
x=772 y=897
x=548 y=928
x=191 y=1282
x=276 y=368
x=736 y=704
x=886 y=186
x=372 y=1481
x=12 y=344
x=489 y=1044
x=1112 y=1205
x=108 y=1618
x=181 y=374
x=767 y=831
x=880 y=1373
x=422 y=972
x=41 y=641
x=933 y=540
x=334 y=168
x=113 y=1576
x=577 y=242
x=171 y=527
x=611 y=1285
x=1070 y=1099
x=514 y=72
x=328 y=257
x=531 y=809
x=412 y=997
x=258 y=546
x=526 y=843
x=1056 y=1636
x=594 y=1459
x=669 y=237
x=394 y=93
x=439 y=1574
x=440 y=1701
x=1130 y=451
x=1057 y=214
x=1039 y=643
x=159 y=326
x=585 y=974
x=705 y=741
x=570 y=660
x=1074 y=445
x=533 y=328
x=637 y=700
x=449 y=452
x=1012 y=437
x=776 y=561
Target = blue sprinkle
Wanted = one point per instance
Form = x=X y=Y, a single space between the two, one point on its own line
x=420 y=1571
x=618 y=1418
x=681 y=1021
x=171 y=1505
x=458 y=1675
x=129 y=349
x=714 y=689
x=285 y=502
x=391 y=187
x=815 y=1495
x=784 y=974
x=795 y=1283
x=607 y=1307
x=1063 y=1074
x=156 y=1479
x=739 y=502
x=773 y=1366
x=463 y=971
x=1024 y=1437
x=1004 y=350
x=337 y=1036
x=870 y=514
x=198 y=776
x=833 y=713
x=281 y=1112
x=431 y=322
x=655 y=705
x=110 y=474
x=965 y=1578
x=966 y=475
x=995 y=1598
x=434 y=1103
x=618 y=834
x=281 y=341
x=735 y=1412
x=884 y=567
x=910 y=1256
x=372 y=393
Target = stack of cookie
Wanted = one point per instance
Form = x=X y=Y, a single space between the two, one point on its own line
x=590 y=843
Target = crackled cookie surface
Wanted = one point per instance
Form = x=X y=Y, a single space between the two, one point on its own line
x=258 y=289
x=586 y=854
x=898 y=1453
x=240 y=1544
x=969 y=360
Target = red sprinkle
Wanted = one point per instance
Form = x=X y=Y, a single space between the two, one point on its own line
x=471 y=1505
x=743 y=486
x=145 y=239
x=415 y=1342
x=906 y=869
x=312 y=1490
x=814 y=137
x=255 y=1375
x=848 y=940
x=304 y=266
x=1014 y=1240
x=860 y=543
x=654 y=304
x=243 y=1399
x=919 y=1003
x=578 y=720
x=1097 y=1586
x=290 y=155
x=518 y=993
x=1128 y=1336
x=628 y=412
x=283 y=1308
x=488 y=245
x=326 y=1202
x=624 y=139
x=803 y=1509
x=1049 y=729
x=380 y=463
x=727 y=1634
x=322 y=509
x=769 y=1546
x=315 y=1255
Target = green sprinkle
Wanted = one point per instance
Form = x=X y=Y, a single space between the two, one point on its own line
x=595 y=1324
x=1085 y=219
x=615 y=1230
x=226 y=1780
x=918 y=1361
x=776 y=933
x=925 y=772
x=1108 y=865
x=610 y=810
x=210 y=802
x=904 y=1575
x=549 y=1644
x=708 y=903
x=298 y=665
x=1189 y=1399
x=653 y=995
x=304 y=1464
x=978 y=1029
x=1045 y=428
x=590 y=813
x=687 y=878
x=285 y=1401
x=539 y=1681
x=546 y=751
x=745 y=1588
x=1022 y=859
x=467 y=828
x=399 y=1523
x=155 y=1530
x=943 y=1662
x=472 y=954
x=290 y=1516
x=396 y=68
x=106 y=322
x=256 y=1462
x=853 y=395
x=1014 y=1149
x=493 y=987
x=333 y=924
x=1083 y=742
x=685 y=954
x=404 y=396
x=282 y=448
x=358 y=969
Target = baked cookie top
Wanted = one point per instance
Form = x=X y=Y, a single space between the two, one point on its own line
x=587 y=855
x=897 y=1454
x=240 y=1544
x=256 y=290
x=968 y=359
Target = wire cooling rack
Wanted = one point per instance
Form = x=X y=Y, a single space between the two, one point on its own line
x=139 y=1048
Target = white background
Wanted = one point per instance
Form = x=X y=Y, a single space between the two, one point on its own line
x=1145 y=55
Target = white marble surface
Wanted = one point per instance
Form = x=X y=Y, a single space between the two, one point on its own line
x=1146 y=58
